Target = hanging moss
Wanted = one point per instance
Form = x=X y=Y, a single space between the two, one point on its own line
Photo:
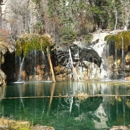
x=118 y=38
x=110 y=38
x=30 y=42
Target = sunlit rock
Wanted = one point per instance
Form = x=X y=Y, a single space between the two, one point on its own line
x=127 y=78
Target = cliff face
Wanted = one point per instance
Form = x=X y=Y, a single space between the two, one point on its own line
x=6 y=43
x=16 y=17
x=4 y=47
x=19 y=16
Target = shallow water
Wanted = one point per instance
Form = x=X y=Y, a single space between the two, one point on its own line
x=68 y=105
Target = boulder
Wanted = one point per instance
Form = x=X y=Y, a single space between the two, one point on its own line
x=127 y=58
x=2 y=78
x=127 y=78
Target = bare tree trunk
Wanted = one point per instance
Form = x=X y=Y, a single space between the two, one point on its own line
x=116 y=17
x=50 y=63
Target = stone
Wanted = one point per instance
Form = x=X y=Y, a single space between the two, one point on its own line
x=23 y=74
x=127 y=78
x=127 y=58
x=2 y=78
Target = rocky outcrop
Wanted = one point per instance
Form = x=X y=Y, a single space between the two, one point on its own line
x=2 y=78
x=76 y=62
x=4 y=47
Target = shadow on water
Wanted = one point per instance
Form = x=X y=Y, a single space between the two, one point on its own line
x=68 y=105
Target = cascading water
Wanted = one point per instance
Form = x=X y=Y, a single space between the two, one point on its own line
x=102 y=49
x=20 y=70
x=113 y=60
x=122 y=58
x=95 y=61
x=71 y=63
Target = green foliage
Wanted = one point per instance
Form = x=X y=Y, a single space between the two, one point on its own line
x=88 y=38
x=30 y=42
x=36 y=1
x=37 y=25
x=67 y=35
x=96 y=10
x=118 y=38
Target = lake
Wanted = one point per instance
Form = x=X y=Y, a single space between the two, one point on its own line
x=94 y=105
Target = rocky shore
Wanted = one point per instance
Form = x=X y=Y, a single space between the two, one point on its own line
x=9 y=124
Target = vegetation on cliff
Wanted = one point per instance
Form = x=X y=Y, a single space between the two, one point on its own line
x=29 y=42
x=120 y=38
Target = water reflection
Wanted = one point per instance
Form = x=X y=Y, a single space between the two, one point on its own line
x=69 y=105
x=2 y=92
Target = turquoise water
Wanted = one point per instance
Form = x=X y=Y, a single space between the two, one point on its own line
x=68 y=105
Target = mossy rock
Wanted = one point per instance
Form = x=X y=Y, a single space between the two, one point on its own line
x=29 y=42
x=119 y=39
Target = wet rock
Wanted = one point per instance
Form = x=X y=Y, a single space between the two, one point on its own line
x=2 y=78
x=4 y=47
x=127 y=58
x=127 y=78
x=23 y=74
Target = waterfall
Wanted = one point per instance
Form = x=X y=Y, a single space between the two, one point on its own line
x=20 y=70
x=43 y=54
x=108 y=61
x=115 y=54
x=102 y=49
x=35 y=59
x=122 y=57
x=44 y=60
x=71 y=63
x=17 y=66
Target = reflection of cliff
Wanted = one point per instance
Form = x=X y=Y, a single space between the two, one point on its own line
x=2 y=92
x=91 y=104
x=81 y=113
x=101 y=118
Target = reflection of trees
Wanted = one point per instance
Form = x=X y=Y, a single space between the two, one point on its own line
x=117 y=111
x=91 y=104
x=80 y=114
